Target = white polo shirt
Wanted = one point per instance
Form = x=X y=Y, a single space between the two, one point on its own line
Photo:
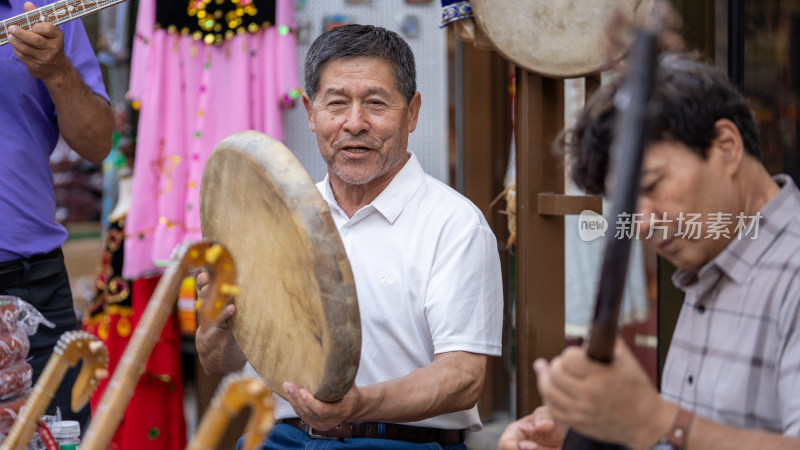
x=427 y=275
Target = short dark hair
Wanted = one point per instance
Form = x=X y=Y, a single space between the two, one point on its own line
x=362 y=40
x=690 y=96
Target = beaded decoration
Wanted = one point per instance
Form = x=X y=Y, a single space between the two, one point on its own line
x=214 y=21
x=454 y=10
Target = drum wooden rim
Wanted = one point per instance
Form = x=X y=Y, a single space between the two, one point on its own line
x=297 y=314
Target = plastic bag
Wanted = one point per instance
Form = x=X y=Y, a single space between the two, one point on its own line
x=17 y=314
x=18 y=320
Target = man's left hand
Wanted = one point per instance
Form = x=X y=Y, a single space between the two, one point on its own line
x=321 y=415
x=41 y=49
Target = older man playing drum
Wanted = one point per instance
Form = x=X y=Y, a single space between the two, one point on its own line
x=424 y=261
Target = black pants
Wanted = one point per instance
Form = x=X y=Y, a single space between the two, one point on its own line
x=42 y=281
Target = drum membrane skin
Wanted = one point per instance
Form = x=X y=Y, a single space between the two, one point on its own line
x=297 y=313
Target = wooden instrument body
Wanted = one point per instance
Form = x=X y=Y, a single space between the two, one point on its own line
x=297 y=314
x=235 y=393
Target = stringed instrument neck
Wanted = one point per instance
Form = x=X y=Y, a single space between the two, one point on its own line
x=120 y=387
x=632 y=102
x=55 y=13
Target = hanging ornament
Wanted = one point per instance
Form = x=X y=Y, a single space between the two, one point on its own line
x=214 y=21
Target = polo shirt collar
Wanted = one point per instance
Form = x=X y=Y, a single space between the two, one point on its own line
x=400 y=190
x=394 y=198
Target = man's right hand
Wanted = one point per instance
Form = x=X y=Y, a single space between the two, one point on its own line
x=202 y=285
x=534 y=431
x=217 y=349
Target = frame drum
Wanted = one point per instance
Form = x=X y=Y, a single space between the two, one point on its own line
x=297 y=315
x=554 y=38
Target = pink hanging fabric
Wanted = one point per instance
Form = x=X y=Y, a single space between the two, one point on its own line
x=191 y=95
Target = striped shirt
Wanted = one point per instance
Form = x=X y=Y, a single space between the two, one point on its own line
x=735 y=354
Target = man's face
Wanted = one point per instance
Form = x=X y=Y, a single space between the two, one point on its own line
x=678 y=182
x=361 y=120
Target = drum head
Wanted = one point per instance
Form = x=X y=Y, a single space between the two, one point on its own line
x=555 y=38
x=297 y=315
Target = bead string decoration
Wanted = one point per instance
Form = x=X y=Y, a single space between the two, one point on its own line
x=210 y=18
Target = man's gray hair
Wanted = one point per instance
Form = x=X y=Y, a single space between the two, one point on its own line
x=362 y=40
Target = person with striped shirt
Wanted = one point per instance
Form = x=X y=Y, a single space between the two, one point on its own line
x=732 y=374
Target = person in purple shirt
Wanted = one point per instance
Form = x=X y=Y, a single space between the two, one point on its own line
x=50 y=85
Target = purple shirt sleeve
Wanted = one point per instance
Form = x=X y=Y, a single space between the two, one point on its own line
x=80 y=52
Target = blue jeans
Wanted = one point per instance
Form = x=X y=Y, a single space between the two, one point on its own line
x=287 y=437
